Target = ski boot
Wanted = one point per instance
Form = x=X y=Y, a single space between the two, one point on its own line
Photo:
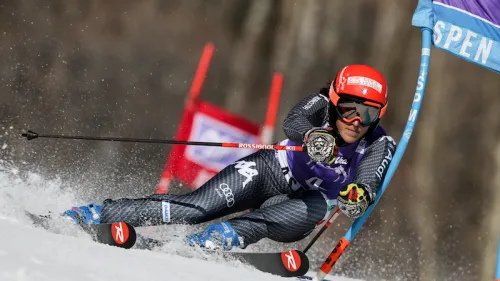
x=89 y=214
x=219 y=235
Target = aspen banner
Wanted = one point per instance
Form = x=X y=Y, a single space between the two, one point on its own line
x=469 y=29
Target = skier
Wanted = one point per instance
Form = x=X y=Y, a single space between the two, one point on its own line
x=289 y=193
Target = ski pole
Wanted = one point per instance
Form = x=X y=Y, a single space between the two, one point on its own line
x=325 y=226
x=32 y=135
x=332 y=259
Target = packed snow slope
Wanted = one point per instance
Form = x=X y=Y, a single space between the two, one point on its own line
x=65 y=253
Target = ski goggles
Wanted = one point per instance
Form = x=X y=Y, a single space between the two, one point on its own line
x=367 y=113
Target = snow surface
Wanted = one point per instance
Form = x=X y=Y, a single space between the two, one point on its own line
x=31 y=253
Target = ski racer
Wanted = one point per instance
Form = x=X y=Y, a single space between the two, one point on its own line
x=289 y=193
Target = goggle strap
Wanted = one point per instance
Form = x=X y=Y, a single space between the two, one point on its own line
x=382 y=111
x=374 y=104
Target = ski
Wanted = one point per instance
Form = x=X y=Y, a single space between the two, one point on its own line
x=119 y=234
x=292 y=263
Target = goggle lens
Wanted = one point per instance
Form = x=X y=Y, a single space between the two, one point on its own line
x=350 y=111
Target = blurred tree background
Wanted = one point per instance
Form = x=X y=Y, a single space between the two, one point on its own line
x=123 y=68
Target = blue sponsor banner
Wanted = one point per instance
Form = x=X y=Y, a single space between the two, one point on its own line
x=469 y=29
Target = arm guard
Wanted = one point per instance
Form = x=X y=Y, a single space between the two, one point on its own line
x=309 y=112
x=373 y=166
